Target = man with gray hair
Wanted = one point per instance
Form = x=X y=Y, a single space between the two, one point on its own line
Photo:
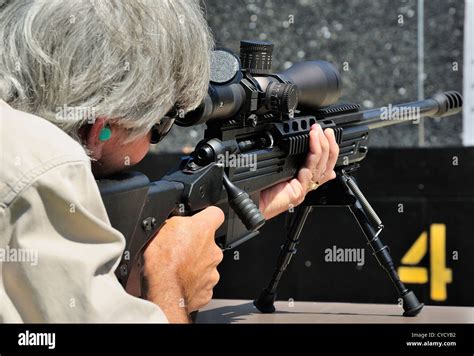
x=85 y=86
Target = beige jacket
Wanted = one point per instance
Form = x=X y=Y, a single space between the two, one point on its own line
x=58 y=251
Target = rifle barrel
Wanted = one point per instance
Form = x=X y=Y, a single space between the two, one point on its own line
x=443 y=104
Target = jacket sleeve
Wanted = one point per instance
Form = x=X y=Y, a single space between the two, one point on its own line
x=60 y=228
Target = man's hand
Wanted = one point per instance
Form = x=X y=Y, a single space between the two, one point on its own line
x=180 y=264
x=318 y=169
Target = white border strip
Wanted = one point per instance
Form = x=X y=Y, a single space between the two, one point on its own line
x=468 y=92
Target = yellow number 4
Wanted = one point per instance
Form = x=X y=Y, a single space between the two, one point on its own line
x=440 y=275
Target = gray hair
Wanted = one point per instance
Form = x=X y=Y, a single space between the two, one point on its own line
x=129 y=60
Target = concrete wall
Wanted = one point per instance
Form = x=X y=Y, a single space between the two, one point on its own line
x=385 y=44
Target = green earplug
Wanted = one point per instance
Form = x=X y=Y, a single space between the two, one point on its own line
x=105 y=133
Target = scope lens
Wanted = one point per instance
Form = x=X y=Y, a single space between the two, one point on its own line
x=319 y=83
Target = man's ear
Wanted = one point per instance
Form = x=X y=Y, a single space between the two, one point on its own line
x=93 y=143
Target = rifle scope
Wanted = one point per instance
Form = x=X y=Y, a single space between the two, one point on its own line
x=253 y=89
